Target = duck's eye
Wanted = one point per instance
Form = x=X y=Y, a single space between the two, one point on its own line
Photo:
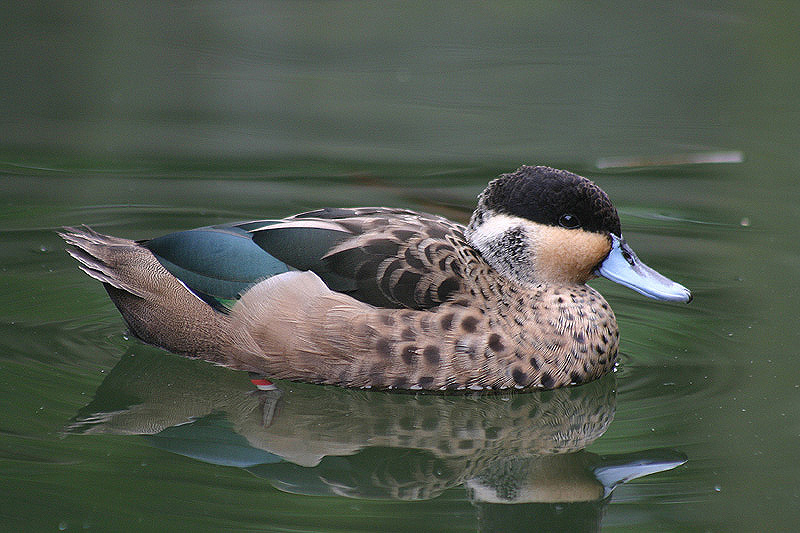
x=569 y=221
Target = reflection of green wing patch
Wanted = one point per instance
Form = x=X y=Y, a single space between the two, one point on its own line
x=217 y=264
x=214 y=440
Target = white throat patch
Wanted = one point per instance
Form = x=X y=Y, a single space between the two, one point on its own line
x=505 y=243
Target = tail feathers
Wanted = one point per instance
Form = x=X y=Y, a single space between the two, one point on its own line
x=101 y=272
x=157 y=306
x=99 y=256
x=87 y=234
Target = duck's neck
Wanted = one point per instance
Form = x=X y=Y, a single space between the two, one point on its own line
x=503 y=242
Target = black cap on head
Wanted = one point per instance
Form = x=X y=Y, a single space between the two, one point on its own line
x=545 y=195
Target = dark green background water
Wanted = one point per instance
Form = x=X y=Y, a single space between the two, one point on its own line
x=144 y=119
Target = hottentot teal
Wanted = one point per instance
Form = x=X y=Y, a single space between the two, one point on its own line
x=391 y=298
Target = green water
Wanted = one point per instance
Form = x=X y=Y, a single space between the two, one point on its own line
x=144 y=119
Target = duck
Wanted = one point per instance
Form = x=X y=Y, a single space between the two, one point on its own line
x=390 y=298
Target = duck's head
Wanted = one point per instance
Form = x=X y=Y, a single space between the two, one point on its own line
x=542 y=225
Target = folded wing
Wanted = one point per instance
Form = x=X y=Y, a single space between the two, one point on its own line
x=385 y=257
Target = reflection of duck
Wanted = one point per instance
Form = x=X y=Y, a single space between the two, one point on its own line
x=325 y=440
x=391 y=298
x=303 y=424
